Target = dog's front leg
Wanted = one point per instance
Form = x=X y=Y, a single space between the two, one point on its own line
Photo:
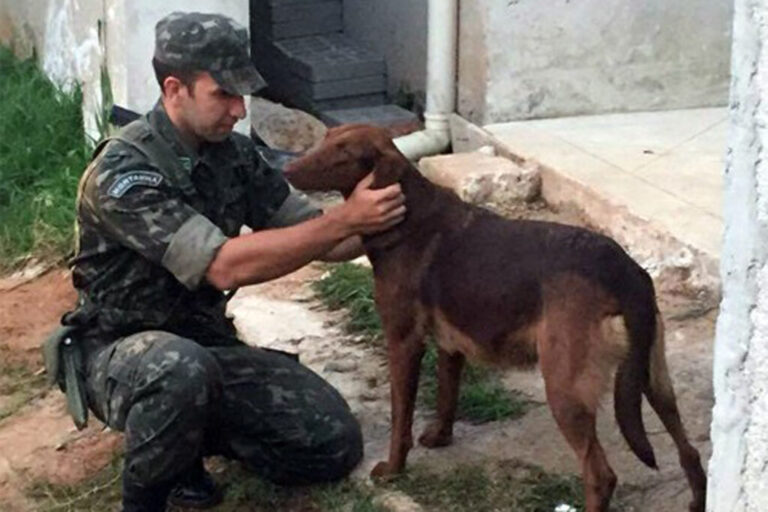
x=404 y=362
x=440 y=432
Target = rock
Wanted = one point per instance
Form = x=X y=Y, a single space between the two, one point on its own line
x=397 y=502
x=343 y=366
x=285 y=128
x=479 y=178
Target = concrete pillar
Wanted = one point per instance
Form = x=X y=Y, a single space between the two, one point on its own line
x=738 y=469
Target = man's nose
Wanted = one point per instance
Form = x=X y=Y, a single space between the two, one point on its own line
x=237 y=108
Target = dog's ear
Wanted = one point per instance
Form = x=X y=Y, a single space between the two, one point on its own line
x=388 y=168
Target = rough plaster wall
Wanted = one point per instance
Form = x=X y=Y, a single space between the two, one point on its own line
x=568 y=57
x=738 y=473
x=398 y=30
x=473 y=61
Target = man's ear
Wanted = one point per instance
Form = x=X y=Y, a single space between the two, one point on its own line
x=388 y=168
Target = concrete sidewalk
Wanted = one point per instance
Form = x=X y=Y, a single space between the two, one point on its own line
x=653 y=180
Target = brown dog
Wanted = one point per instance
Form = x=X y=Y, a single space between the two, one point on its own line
x=511 y=293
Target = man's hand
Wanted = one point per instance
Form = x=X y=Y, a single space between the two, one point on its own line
x=368 y=211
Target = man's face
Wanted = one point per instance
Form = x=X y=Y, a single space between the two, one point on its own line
x=206 y=110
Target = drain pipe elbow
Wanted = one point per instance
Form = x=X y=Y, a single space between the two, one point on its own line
x=423 y=143
x=442 y=37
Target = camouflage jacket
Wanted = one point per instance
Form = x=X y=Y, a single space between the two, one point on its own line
x=146 y=232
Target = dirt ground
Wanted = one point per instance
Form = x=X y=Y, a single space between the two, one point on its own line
x=39 y=442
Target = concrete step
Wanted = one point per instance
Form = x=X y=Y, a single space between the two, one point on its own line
x=278 y=20
x=330 y=57
x=381 y=115
x=321 y=72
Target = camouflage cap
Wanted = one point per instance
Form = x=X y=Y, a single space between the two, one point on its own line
x=208 y=42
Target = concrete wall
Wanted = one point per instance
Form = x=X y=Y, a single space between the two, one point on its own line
x=398 y=30
x=737 y=470
x=74 y=38
x=523 y=59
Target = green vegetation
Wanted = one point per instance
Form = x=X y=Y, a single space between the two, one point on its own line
x=482 y=397
x=43 y=151
x=243 y=492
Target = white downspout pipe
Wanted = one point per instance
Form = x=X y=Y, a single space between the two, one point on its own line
x=442 y=35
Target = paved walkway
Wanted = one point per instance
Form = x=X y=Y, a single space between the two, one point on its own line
x=662 y=167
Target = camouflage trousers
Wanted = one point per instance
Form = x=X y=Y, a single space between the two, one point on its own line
x=177 y=401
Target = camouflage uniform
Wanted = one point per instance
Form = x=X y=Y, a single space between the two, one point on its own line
x=163 y=361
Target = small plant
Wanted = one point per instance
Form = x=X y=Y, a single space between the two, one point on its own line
x=482 y=397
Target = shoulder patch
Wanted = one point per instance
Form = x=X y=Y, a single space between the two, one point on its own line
x=130 y=179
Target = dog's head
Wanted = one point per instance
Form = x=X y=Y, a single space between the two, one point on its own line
x=346 y=155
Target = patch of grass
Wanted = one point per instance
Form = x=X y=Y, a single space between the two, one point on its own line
x=350 y=287
x=18 y=385
x=482 y=397
x=490 y=487
x=97 y=494
x=245 y=492
x=43 y=152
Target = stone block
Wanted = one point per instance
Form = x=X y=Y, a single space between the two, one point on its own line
x=479 y=178
x=285 y=128
x=381 y=115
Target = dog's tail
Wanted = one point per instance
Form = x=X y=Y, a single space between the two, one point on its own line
x=638 y=304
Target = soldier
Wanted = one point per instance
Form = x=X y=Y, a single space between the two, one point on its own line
x=159 y=214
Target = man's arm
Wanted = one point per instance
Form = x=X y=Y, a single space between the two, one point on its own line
x=271 y=253
x=346 y=250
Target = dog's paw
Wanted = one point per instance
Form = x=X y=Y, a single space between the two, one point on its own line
x=434 y=437
x=383 y=471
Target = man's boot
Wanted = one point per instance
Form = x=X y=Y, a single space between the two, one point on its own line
x=195 y=489
x=139 y=498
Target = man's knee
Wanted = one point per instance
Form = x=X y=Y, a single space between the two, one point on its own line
x=183 y=369
x=347 y=451
x=159 y=374
x=336 y=449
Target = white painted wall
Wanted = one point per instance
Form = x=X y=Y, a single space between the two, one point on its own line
x=738 y=473
x=398 y=30
x=522 y=59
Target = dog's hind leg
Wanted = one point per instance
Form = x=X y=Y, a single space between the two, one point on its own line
x=405 y=353
x=440 y=432
x=574 y=380
x=661 y=396
x=577 y=423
